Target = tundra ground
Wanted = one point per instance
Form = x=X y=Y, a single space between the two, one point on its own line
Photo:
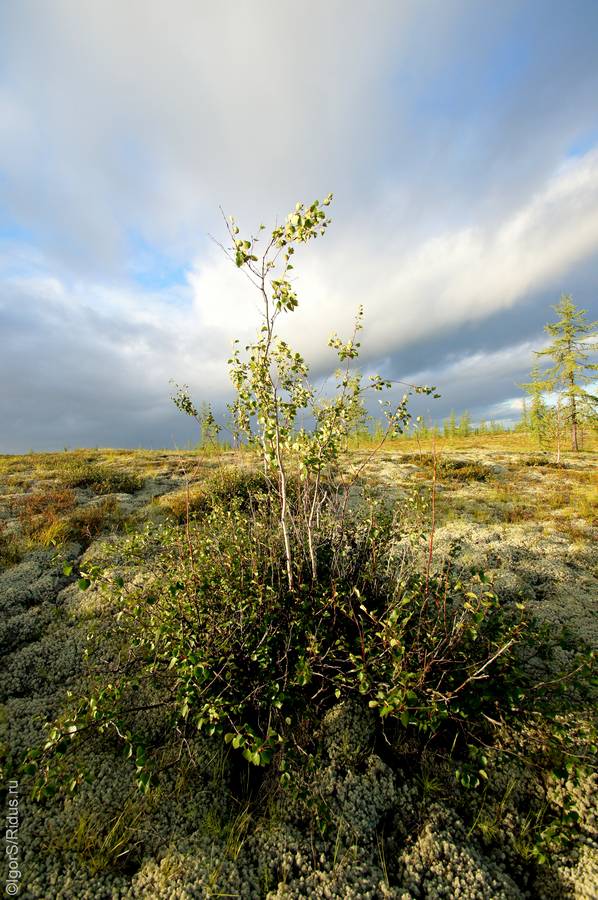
x=397 y=823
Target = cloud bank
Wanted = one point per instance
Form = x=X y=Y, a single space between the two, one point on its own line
x=460 y=143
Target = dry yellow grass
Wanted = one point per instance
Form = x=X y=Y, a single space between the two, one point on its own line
x=509 y=442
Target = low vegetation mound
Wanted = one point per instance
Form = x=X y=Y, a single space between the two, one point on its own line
x=225 y=484
x=101 y=479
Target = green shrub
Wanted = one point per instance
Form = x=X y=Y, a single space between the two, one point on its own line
x=232 y=653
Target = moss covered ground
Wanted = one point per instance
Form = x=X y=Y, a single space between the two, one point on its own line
x=369 y=818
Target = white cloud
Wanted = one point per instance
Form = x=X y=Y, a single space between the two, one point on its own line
x=151 y=114
x=416 y=292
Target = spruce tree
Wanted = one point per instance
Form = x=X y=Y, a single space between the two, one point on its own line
x=570 y=350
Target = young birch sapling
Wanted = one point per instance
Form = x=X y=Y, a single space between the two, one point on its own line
x=273 y=390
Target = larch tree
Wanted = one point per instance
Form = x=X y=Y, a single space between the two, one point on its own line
x=574 y=339
x=464 y=426
x=537 y=413
x=523 y=423
x=450 y=424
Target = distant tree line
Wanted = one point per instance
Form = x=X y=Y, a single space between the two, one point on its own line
x=454 y=426
x=556 y=404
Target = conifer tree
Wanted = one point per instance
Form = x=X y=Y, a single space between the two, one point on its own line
x=537 y=415
x=464 y=427
x=523 y=424
x=450 y=425
x=570 y=350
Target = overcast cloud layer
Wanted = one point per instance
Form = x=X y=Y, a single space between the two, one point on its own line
x=460 y=140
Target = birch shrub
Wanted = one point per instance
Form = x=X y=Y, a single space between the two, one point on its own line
x=212 y=640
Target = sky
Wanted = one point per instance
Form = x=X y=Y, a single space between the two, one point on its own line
x=460 y=140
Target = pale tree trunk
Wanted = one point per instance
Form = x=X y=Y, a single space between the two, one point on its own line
x=282 y=486
x=574 y=423
x=558 y=429
x=310 y=528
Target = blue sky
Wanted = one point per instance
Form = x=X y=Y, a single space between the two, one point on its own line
x=460 y=140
